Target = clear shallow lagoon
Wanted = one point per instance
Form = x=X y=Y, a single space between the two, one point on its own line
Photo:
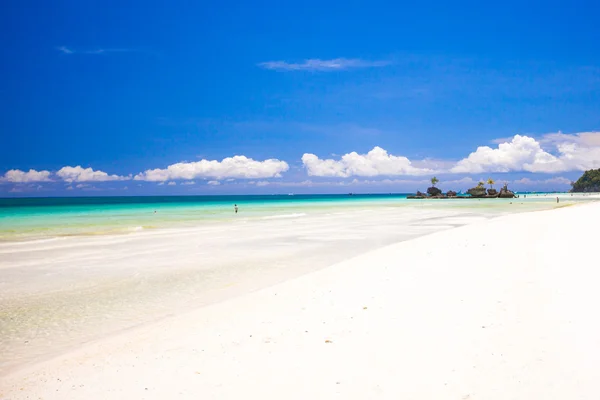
x=38 y=218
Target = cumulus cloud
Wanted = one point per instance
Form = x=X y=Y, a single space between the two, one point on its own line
x=232 y=167
x=550 y=153
x=315 y=64
x=523 y=153
x=584 y=139
x=18 y=176
x=79 y=174
x=375 y=163
x=554 y=181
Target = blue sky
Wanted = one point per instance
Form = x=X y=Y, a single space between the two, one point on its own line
x=130 y=86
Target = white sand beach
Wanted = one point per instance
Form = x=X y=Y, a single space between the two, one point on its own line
x=496 y=309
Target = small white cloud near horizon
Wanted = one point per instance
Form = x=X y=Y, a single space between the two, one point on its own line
x=213 y=183
x=376 y=162
x=18 y=176
x=315 y=64
x=80 y=174
x=239 y=167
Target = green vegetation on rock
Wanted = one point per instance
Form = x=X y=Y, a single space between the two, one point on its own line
x=589 y=182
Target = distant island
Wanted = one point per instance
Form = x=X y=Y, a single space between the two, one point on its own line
x=478 y=192
x=589 y=182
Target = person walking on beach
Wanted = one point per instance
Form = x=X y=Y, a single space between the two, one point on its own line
x=557 y=199
x=235 y=207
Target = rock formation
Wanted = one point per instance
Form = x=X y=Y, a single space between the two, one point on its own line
x=505 y=193
x=477 y=191
x=433 y=191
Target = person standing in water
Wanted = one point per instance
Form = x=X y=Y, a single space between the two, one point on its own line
x=235 y=207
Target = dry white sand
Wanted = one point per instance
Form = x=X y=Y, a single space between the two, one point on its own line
x=500 y=309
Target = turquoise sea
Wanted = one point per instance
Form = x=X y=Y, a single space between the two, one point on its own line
x=78 y=269
x=37 y=218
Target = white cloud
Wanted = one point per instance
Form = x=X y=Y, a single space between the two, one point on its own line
x=18 y=176
x=551 y=181
x=231 y=167
x=523 y=153
x=579 y=157
x=559 y=180
x=550 y=153
x=434 y=164
x=315 y=64
x=79 y=174
x=104 y=51
x=375 y=163
x=65 y=50
x=466 y=181
x=584 y=139
x=171 y=183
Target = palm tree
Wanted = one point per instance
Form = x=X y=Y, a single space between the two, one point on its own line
x=480 y=184
x=434 y=180
x=491 y=182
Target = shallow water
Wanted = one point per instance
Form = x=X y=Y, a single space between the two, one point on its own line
x=41 y=218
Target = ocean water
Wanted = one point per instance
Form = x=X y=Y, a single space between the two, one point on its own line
x=73 y=270
x=39 y=218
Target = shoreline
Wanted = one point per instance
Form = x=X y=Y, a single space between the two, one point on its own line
x=329 y=304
